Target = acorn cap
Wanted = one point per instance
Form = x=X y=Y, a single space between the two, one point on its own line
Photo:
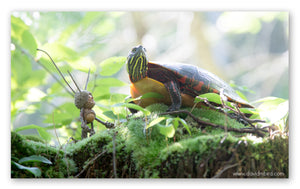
x=81 y=98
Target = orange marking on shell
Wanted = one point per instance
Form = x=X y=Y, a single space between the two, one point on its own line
x=198 y=86
x=215 y=91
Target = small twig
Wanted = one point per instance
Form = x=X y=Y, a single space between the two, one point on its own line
x=224 y=169
x=90 y=162
x=107 y=124
x=55 y=129
x=205 y=100
x=250 y=121
x=205 y=124
x=238 y=112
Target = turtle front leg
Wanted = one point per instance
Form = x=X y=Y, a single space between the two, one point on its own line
x=174 y=92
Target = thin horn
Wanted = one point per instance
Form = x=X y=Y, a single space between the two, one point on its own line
x=57 y=69
x=74 y=81
x=87 y=80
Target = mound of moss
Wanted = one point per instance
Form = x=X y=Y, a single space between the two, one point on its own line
x=132 y=151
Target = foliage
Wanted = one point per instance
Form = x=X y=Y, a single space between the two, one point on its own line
x=201 y=153
x=34 y=170
x=41 y=130
x=33 y=89
x=275 y=111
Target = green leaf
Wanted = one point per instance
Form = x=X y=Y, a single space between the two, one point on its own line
x=168 y=130
x=20 y=67
x=83 y=64
x=155 y=122
x=41 y=130
x=270 y=101
x=211 y=97
x=60 y=52
x=247 y=111
x=35 y=158
x=34 y=170
x=242 y=95
x=103 y=86
x=17 y=28
x=110 y=114
x=112 y=65
x=28 y=42
x=185 y=125
x=132 y=106
x=175 y=122
x=273 y=109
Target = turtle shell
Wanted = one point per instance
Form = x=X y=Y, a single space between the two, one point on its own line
x=193 y=81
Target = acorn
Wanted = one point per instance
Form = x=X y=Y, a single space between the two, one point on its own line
x=89 y=115
x=84 y=99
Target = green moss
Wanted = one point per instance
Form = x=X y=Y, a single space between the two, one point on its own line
x=22 y=147
x=144 y=153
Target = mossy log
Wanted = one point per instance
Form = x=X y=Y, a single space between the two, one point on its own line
x=131 y=151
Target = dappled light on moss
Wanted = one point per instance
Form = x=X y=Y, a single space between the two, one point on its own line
x=147 y=153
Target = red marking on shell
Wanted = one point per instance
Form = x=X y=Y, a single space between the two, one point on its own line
x=183 y=79
x=199 y=86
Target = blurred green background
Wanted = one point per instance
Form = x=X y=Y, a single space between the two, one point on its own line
x=247 y=48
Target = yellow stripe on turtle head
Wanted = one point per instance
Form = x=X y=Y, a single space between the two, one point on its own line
x=137 y=64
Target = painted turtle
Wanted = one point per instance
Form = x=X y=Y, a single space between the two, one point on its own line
x=178 y=83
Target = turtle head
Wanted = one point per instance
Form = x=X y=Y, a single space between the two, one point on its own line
x=137 y=63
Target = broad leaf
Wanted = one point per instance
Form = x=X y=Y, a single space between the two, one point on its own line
x=112 y=65
x=185 y=125
x=168 y=130
x=29 y=42
x=35 y=158
x=155 y=121
x=132 y=106
x=41 y=130
x=211 y=97
x=34 y=170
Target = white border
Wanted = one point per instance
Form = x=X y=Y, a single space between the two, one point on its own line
x=147 y=5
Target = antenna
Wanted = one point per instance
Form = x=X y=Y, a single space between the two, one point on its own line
x=57 y=69
x=74 y=81
x=87 y=80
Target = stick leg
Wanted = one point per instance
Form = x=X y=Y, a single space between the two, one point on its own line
x=92 y=131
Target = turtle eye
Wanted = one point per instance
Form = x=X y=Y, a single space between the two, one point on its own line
x=134 y=49
x=144 y=49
